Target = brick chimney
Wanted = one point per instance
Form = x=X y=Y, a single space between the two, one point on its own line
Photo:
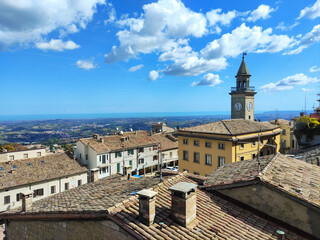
x=26 y=198
x=184 y=205
x=147 y=206
x=94 y=174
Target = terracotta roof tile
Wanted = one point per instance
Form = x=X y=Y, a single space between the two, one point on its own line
x=20 y=172
x=232 y=127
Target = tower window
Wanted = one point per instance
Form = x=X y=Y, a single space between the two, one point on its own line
x=249 y=117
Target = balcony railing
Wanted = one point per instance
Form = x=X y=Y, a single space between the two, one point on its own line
x=234 y=89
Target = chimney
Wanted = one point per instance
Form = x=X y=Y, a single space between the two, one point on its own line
x=147 y=206
x=184 y=205
x=101 y=139
x=26 y=198
x=94 y=174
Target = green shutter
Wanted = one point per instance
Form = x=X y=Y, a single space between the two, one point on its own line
x=118 y=167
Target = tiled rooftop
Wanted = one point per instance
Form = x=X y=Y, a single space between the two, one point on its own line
x=134 y=139
x=217 y=218
x=281 y=172
x=20 y=172
x=232 y=127
x=309 y=155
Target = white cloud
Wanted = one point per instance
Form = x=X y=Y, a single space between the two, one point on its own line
x=153 y=75
x=262 y=12
x=209 y=80
x=307 y=90
x=111 y=14
x=311 y=37
x=314 y=69
x=216 y=17
x=247 y=39
x=28 y=21
x=161 y=24
x=136 y=68
x=288 y=83
x=311 y=12
x=86 y=64
x=57 y=45
x=281 y=26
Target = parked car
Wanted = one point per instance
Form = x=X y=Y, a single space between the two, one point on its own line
x=172 y=169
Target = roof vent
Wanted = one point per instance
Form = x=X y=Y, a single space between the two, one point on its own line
x=14 y=167
x=280 y=235
x=29 y=164
x=1 y=168
x=42 y=161
x=299 y=190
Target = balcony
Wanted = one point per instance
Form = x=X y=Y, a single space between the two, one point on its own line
x=234 y=89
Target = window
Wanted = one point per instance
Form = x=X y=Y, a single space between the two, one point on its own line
x=208 y=144
x=80 y=156
x=86 y=156
x=38 y=192
x=220 y=145
x=185 y=141
x=130 y=162
x=242 y=158
x=25 y=155
x=7 y=199
x=261 y=153
x=208 y=159
x=268 y=152
x=18 y=197
x=196 y=157
x=241 y=145
x=185 y=155
x=253 y=156
x=155 y=157
x=220 y=161
x=118 y=154
x=66 y=186
x=104 y=170
x=53 y=189
x=196 y=173
x=253 y=144
x=103 y=158
x=141 y=150
x=141 y=160
x=11 y=157
x=79 y=182
x=196 y=143
x=170 y=154
x=292 y=144
x=38 y=154
x=130 y=152
x=283 y=132
x=118 y=167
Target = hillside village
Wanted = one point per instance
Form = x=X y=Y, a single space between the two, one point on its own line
x=237 y=178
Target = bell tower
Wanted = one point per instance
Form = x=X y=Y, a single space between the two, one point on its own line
x=242 y=96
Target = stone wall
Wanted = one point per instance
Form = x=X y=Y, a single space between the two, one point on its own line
x=72 y=229
x=278 y=206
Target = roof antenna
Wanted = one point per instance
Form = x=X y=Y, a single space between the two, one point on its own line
x=243 y=54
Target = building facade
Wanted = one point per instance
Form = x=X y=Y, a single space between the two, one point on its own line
x=288 y=141
x=24 y=154
x=129 y=152
x=204 y=148
x=43 y=176
x=242 y=96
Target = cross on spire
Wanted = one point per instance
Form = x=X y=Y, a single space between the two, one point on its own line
x=243 y=54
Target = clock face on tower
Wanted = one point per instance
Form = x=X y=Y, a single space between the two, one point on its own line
x=237 y=106
x=249 y=106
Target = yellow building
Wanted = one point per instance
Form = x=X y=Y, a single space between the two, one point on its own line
x=204 y=148
x=288 y=141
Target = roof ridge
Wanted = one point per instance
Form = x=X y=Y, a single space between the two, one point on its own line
x=226 y=126
x=116 y=207
x=262 y=173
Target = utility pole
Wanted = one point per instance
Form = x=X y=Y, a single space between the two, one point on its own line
x=258 y=151
x=160 y=163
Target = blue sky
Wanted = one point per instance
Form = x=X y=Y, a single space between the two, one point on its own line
x=97 y=56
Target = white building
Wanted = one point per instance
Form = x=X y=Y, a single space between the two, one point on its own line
x=129 y=152
x=23 y=154
x=44 y=176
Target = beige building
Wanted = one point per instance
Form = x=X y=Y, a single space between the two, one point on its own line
x=281 y=187
x=23 y=154
x=43 y=176
x=128 y=152
x=288 y=141
x=204 y=148
x=117 y=208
